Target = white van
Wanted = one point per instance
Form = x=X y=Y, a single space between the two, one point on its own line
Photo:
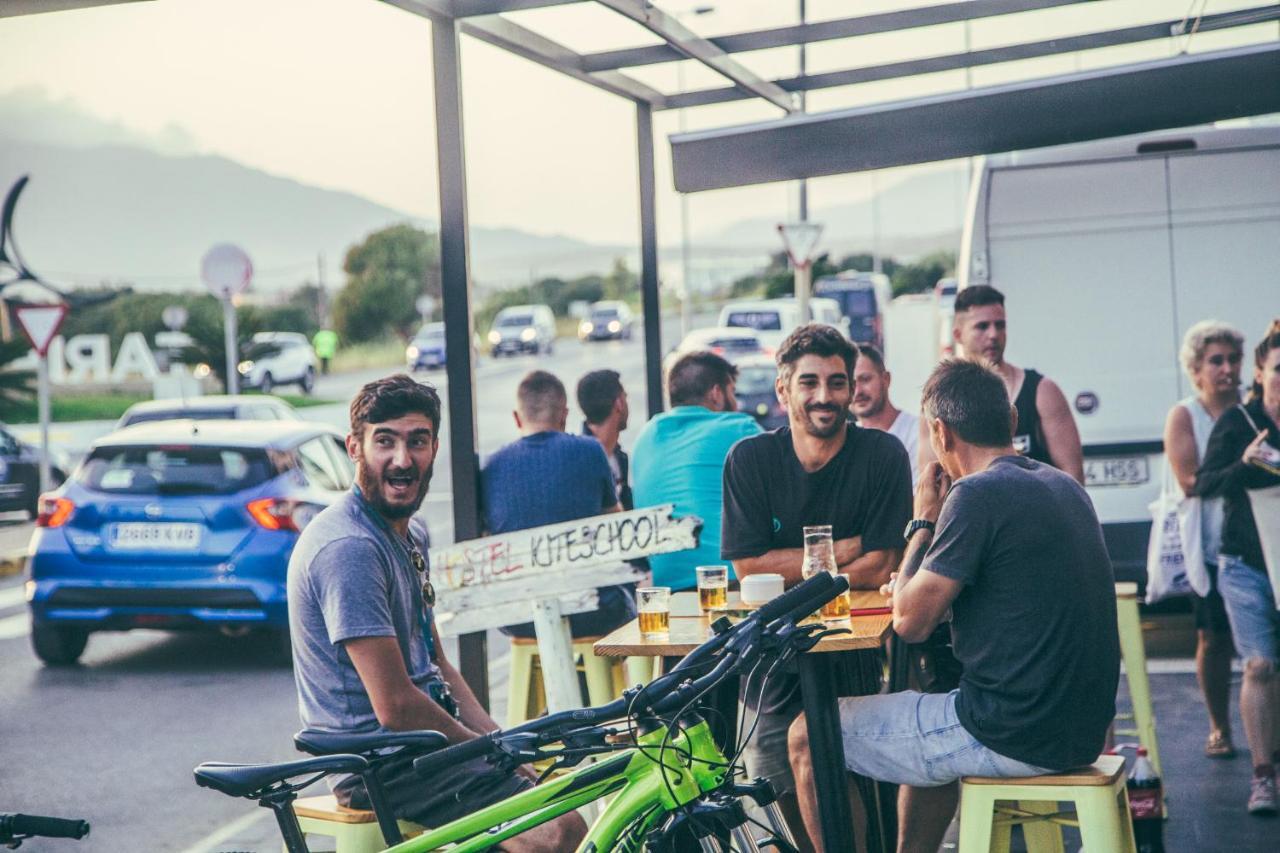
x=774 y=319
x=1106 y=253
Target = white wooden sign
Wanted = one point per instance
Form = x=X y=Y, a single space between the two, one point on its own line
x=547 y=573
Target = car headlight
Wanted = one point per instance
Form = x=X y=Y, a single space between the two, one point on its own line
x=615 y=326
x=494 y=337
x=528 y=335
x=201 y=371
x=411 y=352
x=586 y=327
x=244 y=367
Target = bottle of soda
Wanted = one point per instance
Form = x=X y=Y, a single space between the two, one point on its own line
x=1146 y=805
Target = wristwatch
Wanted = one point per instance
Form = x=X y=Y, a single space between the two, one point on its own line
x=917 y=524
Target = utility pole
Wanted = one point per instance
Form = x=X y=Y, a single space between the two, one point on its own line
x=322 y=297
x=804 y=101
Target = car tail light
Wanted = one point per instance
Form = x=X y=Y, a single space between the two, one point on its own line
x=278 y=514
x=54 y=512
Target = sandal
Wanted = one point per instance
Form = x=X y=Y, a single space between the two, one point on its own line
x=1219 y=745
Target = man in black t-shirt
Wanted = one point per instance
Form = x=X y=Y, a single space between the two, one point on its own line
x=1018 y=559
x=818 y=469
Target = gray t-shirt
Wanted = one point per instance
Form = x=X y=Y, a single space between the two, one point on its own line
x=1035 y=624
x=349 y=578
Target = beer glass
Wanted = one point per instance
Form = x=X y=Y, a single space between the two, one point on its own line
x=654 y=604
x=713 y=587
x=820 y=556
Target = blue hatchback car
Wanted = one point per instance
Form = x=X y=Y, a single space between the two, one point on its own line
x=179 y=525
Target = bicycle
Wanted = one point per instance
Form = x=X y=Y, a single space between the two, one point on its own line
x=17 y=828
x=671 y=779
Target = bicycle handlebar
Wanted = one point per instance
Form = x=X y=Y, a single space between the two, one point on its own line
x=23 y=825
x=664 y=694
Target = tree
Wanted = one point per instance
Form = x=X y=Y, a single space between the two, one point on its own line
x=385 y=276
x=208 y=336
x=921 y=276
x=15 y=385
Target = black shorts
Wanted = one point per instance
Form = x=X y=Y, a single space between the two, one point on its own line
x=1210 y=613
x=434 y=802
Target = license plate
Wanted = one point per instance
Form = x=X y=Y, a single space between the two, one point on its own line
x=1116 y=471
x=138 y=535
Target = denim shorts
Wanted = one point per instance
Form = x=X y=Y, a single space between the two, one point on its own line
x=916 y=739
x=1251 y=607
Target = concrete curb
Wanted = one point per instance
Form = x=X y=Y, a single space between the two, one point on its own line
x=12 y=563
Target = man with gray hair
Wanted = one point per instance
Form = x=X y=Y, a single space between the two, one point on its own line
x=1012 y=547
x=546 y=477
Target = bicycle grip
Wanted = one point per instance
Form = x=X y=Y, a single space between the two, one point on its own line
x=47 y=827
x=820 y=588
x=451 y=756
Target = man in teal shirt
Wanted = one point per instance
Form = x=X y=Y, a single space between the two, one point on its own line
x=679 y=458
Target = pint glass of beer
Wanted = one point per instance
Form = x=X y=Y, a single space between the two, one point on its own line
x=820 y=556
x=713 y=587
x=654 y=604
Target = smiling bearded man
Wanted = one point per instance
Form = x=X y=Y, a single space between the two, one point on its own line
x=367 y=656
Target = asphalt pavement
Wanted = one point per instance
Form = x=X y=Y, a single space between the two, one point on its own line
x=113 y=740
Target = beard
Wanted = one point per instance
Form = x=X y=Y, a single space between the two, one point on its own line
x=869 y=408
x=812 y=427
x=372 y=487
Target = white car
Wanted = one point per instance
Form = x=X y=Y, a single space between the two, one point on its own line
x=278 y=358
x=774 y=319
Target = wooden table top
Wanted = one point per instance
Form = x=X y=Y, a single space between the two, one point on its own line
x=689 y=629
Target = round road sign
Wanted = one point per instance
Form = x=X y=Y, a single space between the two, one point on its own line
x=226 y=270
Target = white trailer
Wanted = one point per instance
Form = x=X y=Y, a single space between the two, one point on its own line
x=1106 y=253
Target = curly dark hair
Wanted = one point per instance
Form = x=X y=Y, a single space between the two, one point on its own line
x=815 y=339
x=391 y=398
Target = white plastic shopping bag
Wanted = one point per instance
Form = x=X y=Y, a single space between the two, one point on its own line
x=1175 y=556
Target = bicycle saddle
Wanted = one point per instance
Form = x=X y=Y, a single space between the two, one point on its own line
x=244 y=780
x=328 y=743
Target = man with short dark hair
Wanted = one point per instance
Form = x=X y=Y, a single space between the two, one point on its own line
x=603 y=401
x=819 y=469
x=1046 y=431
x=1012 y=548
x=873 y=409
x=679 y=457
x=546 y=477
x=367 y=655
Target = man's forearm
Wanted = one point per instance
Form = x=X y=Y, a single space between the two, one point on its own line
x=911 y=562
x=789 y=562
x=472 y=712
x=871 y=570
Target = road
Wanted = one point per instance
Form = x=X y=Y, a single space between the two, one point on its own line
x=113 y=740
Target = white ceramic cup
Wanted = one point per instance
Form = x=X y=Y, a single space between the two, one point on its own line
x=757 y=589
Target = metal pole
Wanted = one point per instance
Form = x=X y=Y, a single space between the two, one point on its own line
x=42 y=405
x=804 y=273
x=455 y=281
x=229 y=338
x=877 y=264
x=685 y=322
x=804 y=103
x=649 y=259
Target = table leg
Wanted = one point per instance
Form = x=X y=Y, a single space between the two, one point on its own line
x=882 y=812
x=825 y=743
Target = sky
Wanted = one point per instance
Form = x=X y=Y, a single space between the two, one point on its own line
x=338 y=94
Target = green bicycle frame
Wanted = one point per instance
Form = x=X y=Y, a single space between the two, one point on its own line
x=691 y=763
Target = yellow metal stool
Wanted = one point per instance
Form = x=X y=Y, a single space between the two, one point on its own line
x=1134 y=654
x=991 y=807
x=353 y=830
x=606 y=677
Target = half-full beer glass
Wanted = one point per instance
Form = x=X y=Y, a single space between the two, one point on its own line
x=654 y=604
x=713 y=587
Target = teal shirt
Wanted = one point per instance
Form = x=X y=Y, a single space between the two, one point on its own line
x=679 y=458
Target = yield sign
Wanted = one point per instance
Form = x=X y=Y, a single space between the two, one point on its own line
x=40 y=323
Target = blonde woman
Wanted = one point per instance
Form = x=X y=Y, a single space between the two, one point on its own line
x=1211 y=355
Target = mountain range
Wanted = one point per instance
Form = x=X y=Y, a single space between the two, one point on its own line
x=108 y=204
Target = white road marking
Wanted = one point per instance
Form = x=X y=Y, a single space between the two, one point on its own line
x=13 y=627
x=226 y=832
x=11 y=596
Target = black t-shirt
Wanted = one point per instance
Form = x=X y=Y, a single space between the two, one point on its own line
x=1035 y=625
x=865 y=490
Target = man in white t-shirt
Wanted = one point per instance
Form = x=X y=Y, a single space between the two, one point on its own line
x=871 y=406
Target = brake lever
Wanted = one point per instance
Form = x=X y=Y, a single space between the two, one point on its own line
x=809 y=640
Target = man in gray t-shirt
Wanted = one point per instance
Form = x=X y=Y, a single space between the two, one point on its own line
x=367 y=656
x=1013 y=549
